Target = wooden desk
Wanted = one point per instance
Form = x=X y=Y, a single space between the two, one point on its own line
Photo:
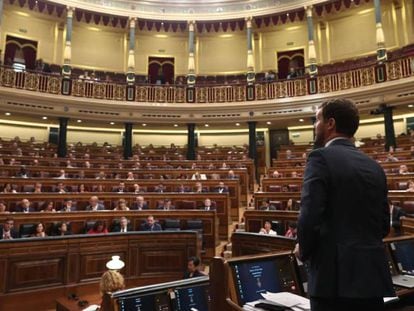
x=254 y=220
x=247 y=243
x=110 y=199
x=36 y=271
x=66 y=304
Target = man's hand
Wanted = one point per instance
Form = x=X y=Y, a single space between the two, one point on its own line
x=296 y=251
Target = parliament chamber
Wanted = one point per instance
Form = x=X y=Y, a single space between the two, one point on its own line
x=163 y=145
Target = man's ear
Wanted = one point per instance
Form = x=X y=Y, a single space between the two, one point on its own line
x=331 y=124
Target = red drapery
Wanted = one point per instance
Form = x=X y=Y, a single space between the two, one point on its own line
x=28 y=47
x=161 y=69
x=290 y=59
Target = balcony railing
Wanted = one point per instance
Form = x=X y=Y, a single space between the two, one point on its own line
x=53 y=84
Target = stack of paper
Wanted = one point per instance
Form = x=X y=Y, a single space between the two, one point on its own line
x=283 y=299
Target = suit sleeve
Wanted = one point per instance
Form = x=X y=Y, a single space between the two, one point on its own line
x=314 y=201
x=386 y=224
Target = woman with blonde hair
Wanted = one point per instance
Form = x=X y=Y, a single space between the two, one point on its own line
x=111 y=282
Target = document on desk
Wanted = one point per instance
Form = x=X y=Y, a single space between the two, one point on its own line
x=295 y=302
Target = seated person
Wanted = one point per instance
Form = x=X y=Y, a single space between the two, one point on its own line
x=167 y=205
x=396 y=213
x=60 y=188
x=221 y=188
x=160 y=188
x=137 y=189
x=39 y=231
x=7 y=231
x=403 y=170
x=94 y=204
x=276 y=174
x=37 y=188
x=8 y=188
x=198 y=176
x=68 y=206
x=151 y=225
x=231 y=175
x=25 y=207
x=208 y=206
x=266 y=206
x=193 y=271
x=199 y=188
x=98 y=228
x=292 y=230
x=130 y=176
x=63 y=229
x=123 y=226
x=410 y=186
x=111 y=282
x=121 y=205
x=391 y=158
x=139 y=204
x=22 y=173
x=267 y=229
x=48 y=207
x=182 y=189
x=289 y=205
x=121 y=188
x=101 y=175
x=3 y=208
x=62 y=175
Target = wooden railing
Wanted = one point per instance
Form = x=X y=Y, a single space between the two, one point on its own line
x=365 y=76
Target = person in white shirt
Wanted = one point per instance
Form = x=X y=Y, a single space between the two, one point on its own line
x=267 y=229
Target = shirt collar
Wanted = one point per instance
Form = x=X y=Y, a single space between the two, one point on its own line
x=333 y=139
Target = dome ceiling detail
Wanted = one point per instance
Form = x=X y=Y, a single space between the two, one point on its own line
x=189 y=9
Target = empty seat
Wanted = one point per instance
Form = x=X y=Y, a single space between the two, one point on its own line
x=408 y=206
x=275 y=188
x=26 y=230
x=185 y=204
x=172 y=225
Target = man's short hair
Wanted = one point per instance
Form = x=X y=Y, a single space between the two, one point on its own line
x=195 y=260
x=344 y=112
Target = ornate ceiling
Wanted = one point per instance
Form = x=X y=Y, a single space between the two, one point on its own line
x=189 y=9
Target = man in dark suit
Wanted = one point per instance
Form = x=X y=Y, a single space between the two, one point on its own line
x=139 y=204
x=221 y=188
x=68 y=206
x=396 y=213
x=94 y=204
x=6 y=230
x=193 y=271
x=122 y=226
x=25 y=207
x=167 y=205
x=151 y=225
x=208 y=205
x=121 y=188
x=343 y=217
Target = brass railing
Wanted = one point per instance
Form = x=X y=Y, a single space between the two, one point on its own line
x=346 y=80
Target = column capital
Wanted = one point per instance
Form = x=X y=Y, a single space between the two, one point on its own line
x=191 y=25
x=248 y=20
x=132 y=22
x=69 y=11
x=308 y=10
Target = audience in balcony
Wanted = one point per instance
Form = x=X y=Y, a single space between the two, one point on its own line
x=98 y=228
x=151 y=225
x=267 y=229
x=7 y=230
x=39 y=231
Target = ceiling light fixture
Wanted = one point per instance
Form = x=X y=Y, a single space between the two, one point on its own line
x=7 y=113
x=44 y=118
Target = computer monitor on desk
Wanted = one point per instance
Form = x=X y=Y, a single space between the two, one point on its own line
x=403 y=252
x=180 y=295
x=250 y=277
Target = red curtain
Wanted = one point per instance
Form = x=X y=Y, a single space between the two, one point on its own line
x=161 y=69
x=29 y=48
x=290 y=59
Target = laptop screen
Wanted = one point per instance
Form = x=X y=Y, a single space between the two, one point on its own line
x=403 y=252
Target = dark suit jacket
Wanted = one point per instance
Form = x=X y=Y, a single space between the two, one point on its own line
x=118 y=228
x=223 y=190
x=212 y=208
x=162 y=207
x=397 y=213
x=135 y=206
x=156 y=227
x=344 y=216
x=13 y=233
x=19 y=209
x=100 y=207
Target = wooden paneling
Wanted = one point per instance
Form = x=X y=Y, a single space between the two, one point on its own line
x=246 y=243
x=31 y=270
x=254 y=220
